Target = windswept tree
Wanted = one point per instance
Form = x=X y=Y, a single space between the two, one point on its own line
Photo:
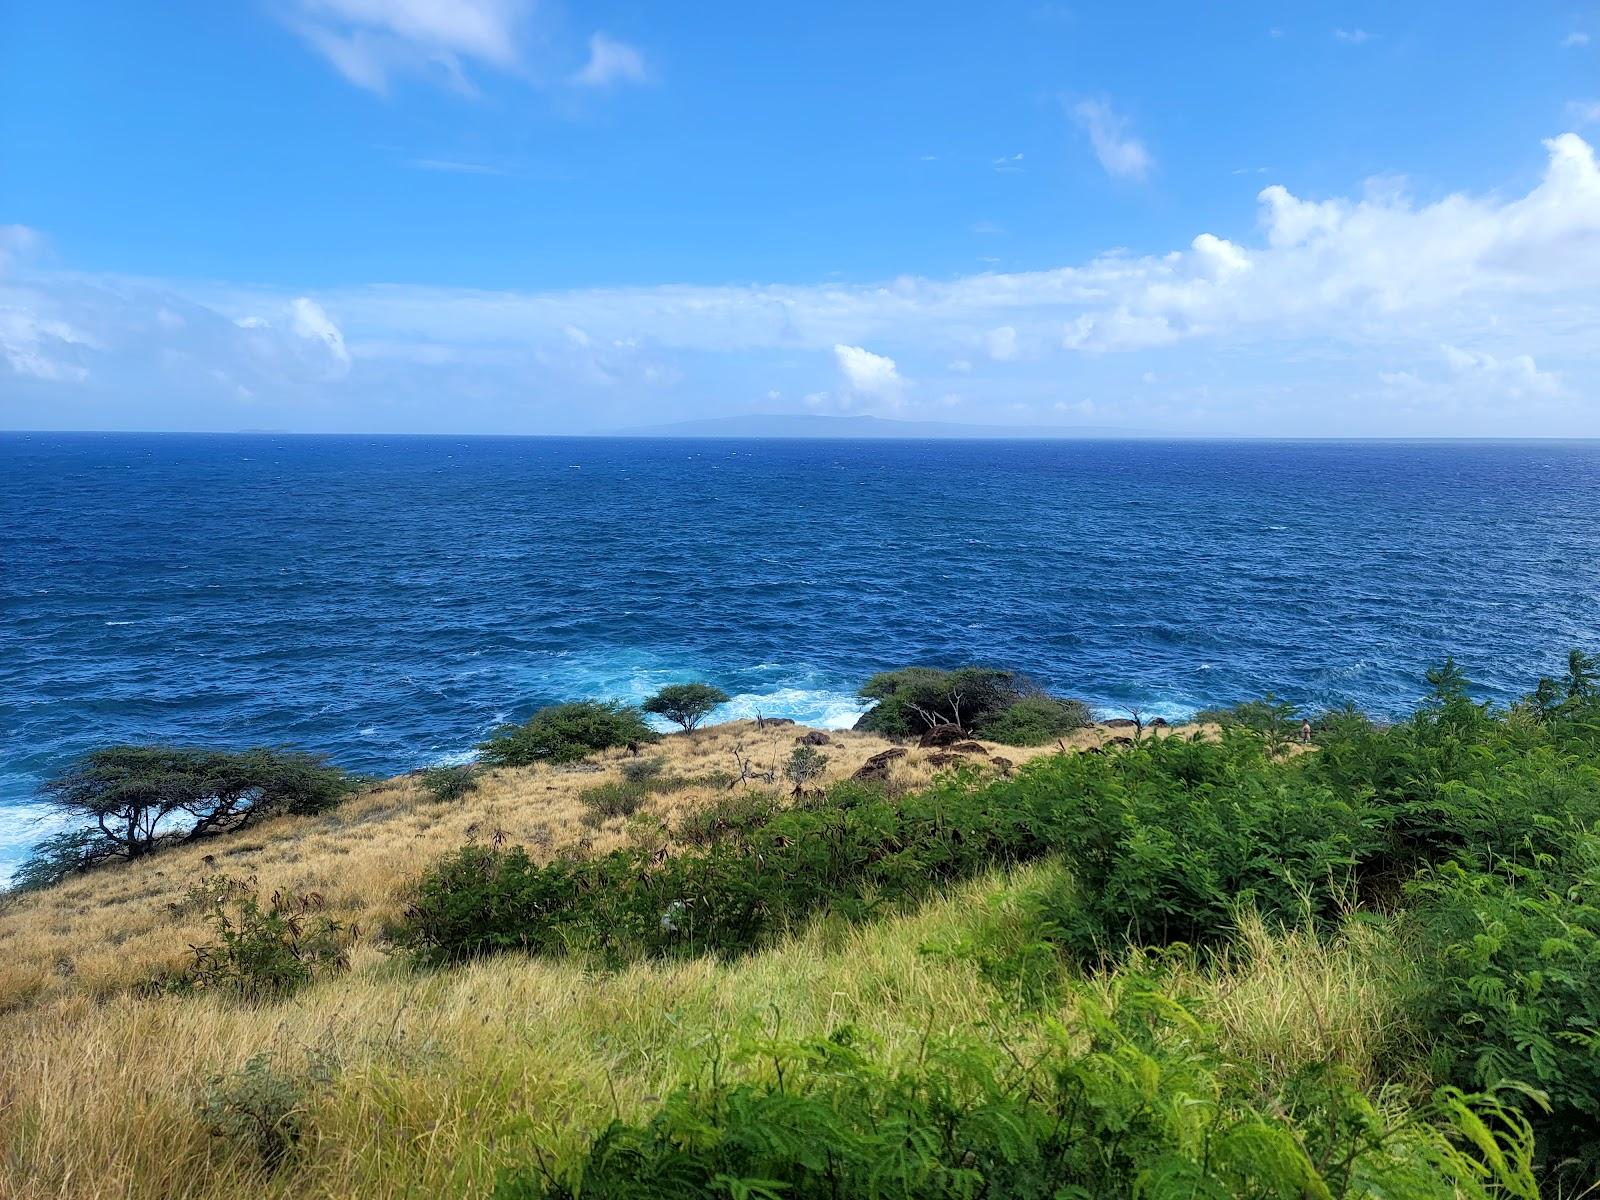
x=983 y=701
x=129 y=801
x=686 y=704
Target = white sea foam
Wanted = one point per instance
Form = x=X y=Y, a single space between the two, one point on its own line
x=818 y=707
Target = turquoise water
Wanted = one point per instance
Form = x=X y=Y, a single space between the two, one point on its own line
x=388 y=600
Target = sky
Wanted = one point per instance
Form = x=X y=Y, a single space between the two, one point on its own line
x=512 y=216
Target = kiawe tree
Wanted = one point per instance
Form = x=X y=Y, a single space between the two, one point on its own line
x=685 y=704
x=129 y=801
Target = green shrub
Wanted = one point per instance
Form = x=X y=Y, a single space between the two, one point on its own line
x=686 y=704
x=262 y=953
x=1511 y=969
x=1144 y=1109
x=1168 y=841
x=643 y=770
x=1035 y=720
x=260 y=1108
x=565 y=733
x=734 y=815
x=607 y=800
x=806 y=763
x=449 y=784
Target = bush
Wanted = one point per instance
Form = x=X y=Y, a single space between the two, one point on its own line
x=806 y=763
x=686 y=704
x=643 y=770
x=608 y=800
x=565 y=733
x=1145 y=1108
x=261 y=1108
x=135 y=799
x=1511 y=968
x=1035 y=720
x=913 y=700
x=735 y=815
x=262 y=953
x=450 y=784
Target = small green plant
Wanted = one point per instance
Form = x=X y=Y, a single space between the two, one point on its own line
x=257 y=1108
x=643 y=771
x=449 y=784
x=733 y=815
x=566 y=733
x=686 y=704
x=608 y=800
x=263 y=953
x=1035 y=720
x=805 y=764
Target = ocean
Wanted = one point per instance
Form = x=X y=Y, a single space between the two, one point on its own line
x=388 y=600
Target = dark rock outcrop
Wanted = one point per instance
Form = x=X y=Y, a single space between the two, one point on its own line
x=942 y=736
x=876 y=768
x=814 y=738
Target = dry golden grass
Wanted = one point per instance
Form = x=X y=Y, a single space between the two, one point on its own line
x=115 y=927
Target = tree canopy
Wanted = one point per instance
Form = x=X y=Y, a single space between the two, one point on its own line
x=992 y=702
x=564 y=733
x=686 y=704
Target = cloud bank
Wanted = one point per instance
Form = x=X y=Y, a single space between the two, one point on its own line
x=1372 y=313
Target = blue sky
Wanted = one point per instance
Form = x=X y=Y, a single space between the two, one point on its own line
x=507 y=216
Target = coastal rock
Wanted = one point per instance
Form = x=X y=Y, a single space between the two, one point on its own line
x=1119 y=741
x=876 y=768
x=1157 y=723
x=969 y=748
x=943 y=758
x=1005 y=764
x=1120 y=723
x=815 y=738
x=942 y=735
x=763 y=722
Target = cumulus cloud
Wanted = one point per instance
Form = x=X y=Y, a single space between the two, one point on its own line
x=611 y=62
x=1121 y=154
x=869 y=375
x=1378 y=280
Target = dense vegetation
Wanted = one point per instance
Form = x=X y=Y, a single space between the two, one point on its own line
x=1474 y=834
x=1003 y=706
x=565 y=733
x=131 y=800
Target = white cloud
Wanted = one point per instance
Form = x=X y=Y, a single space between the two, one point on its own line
x=1008 y=163
x=370 y=41
x=1352 y=37
x=611 y=62
x=1001 y=343
x=310 y=322
x=1576 y=38
x=1375 y=281
x=1584 y=112
x=1121 y=154
x=17 y=242
x=873 y=376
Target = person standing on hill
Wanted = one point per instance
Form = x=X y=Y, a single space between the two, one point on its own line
x=1305 y=731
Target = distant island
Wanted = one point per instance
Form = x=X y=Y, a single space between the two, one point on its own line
x=810 y=425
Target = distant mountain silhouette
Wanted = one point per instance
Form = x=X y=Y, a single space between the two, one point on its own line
x=808 y=425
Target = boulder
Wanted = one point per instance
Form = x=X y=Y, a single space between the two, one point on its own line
x=1156 y=723
x=1004 y=764
x=814 y=738
x=968 y=748
x=1120 y=723
x=763 y=722
x=876 y=768
x=942 y=735
x=943 y=758
x=1119 y=741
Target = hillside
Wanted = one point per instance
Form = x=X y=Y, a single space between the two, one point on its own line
x=1191 y=955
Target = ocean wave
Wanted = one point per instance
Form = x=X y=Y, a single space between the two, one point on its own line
x=821 y=708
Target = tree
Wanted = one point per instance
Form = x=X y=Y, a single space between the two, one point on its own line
x=685 y=704
x=565 y=733
x=991 y=702
x=132 y=800
x=1581 y=671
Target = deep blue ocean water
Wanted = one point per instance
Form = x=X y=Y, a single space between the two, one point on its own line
x=389 y=600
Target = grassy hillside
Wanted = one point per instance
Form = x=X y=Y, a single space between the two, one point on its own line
x=1220 y=968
